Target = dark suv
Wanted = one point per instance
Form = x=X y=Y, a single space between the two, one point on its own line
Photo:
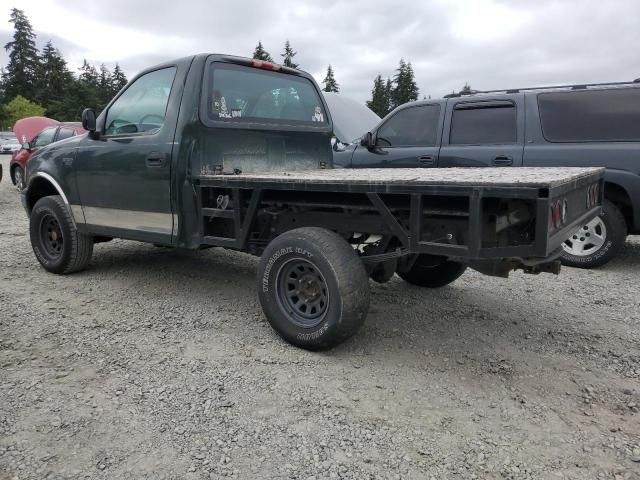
x=575 y=125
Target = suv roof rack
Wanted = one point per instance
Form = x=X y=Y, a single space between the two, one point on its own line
x=579 y=86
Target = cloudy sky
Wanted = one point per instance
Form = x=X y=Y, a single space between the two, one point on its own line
x=487 y=43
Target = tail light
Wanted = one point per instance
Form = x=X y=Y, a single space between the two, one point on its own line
x=266 y=65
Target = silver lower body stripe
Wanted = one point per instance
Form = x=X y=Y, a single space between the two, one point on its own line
x=128 y=219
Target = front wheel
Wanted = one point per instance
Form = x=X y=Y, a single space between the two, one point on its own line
x=58 y=246
x=313 y=288
x=597 y=242
x=431 y=271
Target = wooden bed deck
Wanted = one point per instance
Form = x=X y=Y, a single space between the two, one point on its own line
x=536 y=177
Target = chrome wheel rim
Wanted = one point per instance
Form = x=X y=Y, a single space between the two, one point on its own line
x=18 y=177
x=587 y=240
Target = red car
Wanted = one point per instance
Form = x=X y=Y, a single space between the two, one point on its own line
x=24 y=130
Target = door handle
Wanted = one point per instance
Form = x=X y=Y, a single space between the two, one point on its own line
x=155 y=159
x=503 y=160
x=426 y=160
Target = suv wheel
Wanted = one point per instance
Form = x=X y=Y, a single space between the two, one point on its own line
x=597 y=242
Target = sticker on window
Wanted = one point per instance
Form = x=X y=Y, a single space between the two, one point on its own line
x=317 y=115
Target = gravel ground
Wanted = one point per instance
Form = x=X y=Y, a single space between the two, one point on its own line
x=157 y=363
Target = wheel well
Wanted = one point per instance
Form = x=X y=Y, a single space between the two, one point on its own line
x=39 y=188
x=620 y=198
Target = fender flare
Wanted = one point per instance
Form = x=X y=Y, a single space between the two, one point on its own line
x=58 y=188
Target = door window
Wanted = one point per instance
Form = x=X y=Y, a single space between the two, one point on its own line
x=591 y=116
x=45 y=137
x=142 y=106
x=478 y=124
x=65 y=133
x=411 y=127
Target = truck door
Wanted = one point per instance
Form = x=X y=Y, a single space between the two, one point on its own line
x=408 y=138
x=124 y=176
x=483 y=133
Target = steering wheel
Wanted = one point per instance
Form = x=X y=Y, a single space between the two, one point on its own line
x=142 y=122
x=383 y=140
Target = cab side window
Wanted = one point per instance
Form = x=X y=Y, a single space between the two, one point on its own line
x=412 y=127
x=142 y=106
x=44 y=138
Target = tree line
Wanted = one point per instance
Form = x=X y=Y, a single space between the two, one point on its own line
x=40 y=82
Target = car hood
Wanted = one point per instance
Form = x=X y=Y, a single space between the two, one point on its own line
x=351 y=119
x=29 y=127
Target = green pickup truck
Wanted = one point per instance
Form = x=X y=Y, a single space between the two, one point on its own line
x=222 y=151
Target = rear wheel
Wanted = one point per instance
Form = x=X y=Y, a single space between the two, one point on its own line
x=17 y=176
x=432 y=271
x=597 y=242
x=313 y=288
x=58 y=246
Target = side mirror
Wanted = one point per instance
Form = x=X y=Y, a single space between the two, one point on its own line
x=89 y=120
x=26 y=146
x=368 y=141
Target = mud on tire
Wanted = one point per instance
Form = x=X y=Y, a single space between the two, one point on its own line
x=313 y=288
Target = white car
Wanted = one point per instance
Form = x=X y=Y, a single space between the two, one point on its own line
x=9 y=143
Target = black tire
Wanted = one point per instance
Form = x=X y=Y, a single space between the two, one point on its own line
x=614 y=234
x=58 y=246
x=431 y=271
x=301 y=269
x=17 y=177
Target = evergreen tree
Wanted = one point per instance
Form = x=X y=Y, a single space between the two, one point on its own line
x=388 y=92
x=118 y=81
x=54 y=84
x=378 y=103
x=466 y=89
x=261 y=54
x=288 y=55
x=104 y=87
x=405 y=87
x=87 y=92
x=330 y=84
x=20 y=75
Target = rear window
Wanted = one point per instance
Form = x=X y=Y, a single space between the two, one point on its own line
x=591 y=116
x=246 y=94
x=477 y=124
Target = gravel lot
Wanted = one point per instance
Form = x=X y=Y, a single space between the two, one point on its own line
x=157 y=363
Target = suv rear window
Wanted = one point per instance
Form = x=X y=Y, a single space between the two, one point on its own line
x=478 y=124
x=245 y=94
x=591 y=116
